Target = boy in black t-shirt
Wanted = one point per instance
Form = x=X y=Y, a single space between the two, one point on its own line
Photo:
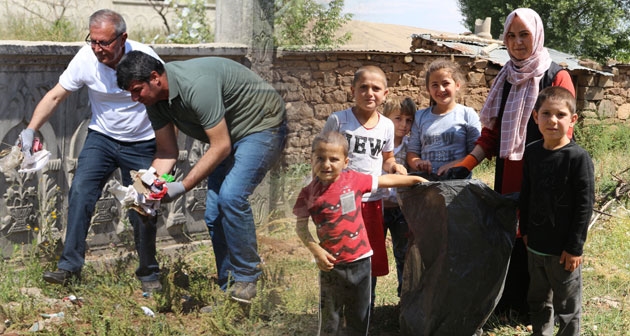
x=556 y=204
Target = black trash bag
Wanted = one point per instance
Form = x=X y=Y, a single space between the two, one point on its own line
x=462 y=236
x=455 y=173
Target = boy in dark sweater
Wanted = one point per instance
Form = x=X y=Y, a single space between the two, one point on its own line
x=556 y=204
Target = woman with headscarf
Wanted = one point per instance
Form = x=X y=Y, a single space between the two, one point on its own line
x=509 y=127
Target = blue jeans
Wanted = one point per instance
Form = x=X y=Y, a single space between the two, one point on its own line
x=394 y=220
x=99 y=158
x=228 y=213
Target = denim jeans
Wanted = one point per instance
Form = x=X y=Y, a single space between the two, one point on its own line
x=99 y=158
x=394 y=220
x=228 y=212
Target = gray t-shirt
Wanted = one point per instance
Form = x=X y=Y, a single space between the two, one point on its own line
x=444 y=138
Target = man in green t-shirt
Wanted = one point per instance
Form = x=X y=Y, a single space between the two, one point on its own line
x=242 y=117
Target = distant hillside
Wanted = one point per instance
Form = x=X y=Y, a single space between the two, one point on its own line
x=381 y=36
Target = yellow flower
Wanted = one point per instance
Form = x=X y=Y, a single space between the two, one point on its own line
x=36 y=229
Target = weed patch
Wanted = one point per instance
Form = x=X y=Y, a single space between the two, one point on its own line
x=288 y=290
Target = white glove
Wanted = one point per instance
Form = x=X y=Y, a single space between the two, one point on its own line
x=173 y=191
x=26 y=139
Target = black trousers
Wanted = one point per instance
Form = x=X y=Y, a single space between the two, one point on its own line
x=514 y=295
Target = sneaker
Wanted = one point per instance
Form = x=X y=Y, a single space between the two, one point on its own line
x=62 y=277
x=243 y=291
x=151 y=286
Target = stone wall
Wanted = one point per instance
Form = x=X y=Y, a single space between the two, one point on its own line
x=614 y=98
x=314 y=84
x=33 y=205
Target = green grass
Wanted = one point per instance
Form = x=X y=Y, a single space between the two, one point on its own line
x=287 y=299
x=287 y=302
x=288 y=290
x=66 y=31
x=38 y=30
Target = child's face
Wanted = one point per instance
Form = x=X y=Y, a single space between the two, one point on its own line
x=554 y=120
x=369 y=91
x=328 y=161
x=442 y=87
x=402 y=123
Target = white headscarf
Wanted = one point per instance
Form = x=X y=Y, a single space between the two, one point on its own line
x=525 y=76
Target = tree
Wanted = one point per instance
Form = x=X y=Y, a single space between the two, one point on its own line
x=300 y=23
x=586 y=28
x=162 y=7
x=297 y=23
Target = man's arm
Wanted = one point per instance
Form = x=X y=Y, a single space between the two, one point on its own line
x=166 y=152
x=220 y=148
x=47 y=106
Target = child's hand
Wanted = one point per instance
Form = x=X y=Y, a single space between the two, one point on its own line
x=444 y=168
x=420 y=179
x=325 y=261
x=570 y=261
x=424 y=165
x=399 y=169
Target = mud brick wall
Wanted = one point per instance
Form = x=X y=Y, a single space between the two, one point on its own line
x=315 y=84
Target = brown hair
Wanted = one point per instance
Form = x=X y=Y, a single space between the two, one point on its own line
x=406 y=107
x=333 y=138
x=557 y=94
x=448 y=65
x=368 y=68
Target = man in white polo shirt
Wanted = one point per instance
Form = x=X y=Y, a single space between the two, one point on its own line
x=119 y=136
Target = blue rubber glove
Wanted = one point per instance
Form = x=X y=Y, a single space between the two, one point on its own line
x=173 y=191
x=26 y=139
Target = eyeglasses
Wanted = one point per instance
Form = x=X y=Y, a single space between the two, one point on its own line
x=102 y=44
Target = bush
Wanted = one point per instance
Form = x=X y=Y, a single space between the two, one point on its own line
x=61 y=30
x=606 y=144
x=191 y=24
x=306 y=22
x=601 y=139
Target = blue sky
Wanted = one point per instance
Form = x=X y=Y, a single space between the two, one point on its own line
x=442 y=15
